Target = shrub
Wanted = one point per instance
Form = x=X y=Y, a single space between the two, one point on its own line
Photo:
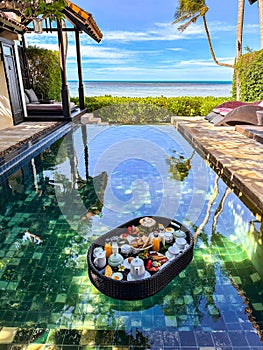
x=143 y=110
x=250 y=71
x=44 y=68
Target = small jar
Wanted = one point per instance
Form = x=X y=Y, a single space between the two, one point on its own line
x=114 y=244
x=108 y=247
x=156 y=242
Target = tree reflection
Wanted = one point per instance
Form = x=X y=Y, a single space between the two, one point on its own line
x=179 y=166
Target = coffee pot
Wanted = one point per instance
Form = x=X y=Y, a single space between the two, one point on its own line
x=137 y=268
x=100 y=260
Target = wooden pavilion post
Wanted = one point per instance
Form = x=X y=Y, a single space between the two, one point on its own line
x=64 y=90
x=81 y=87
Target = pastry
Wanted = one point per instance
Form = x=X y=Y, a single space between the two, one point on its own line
x=108 y=271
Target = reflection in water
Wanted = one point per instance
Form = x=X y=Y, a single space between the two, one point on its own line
x=46 y=286
x=179 y=165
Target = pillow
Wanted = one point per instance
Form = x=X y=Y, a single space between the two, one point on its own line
x=26 y=98
x=31 y=95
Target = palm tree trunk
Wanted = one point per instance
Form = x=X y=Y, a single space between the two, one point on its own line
x=260 y=11
x=211 y=48
x=239 y=39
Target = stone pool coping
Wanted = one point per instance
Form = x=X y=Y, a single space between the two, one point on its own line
x=16 y=136
x=229 y=150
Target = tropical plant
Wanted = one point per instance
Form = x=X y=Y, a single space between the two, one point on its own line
x=260 y=12
x=44 y=67
x=38 y=8
x=188 y=11
x=144 y=110
x=250 y=70
x=239 y=39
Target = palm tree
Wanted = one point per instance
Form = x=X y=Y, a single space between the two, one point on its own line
x=260 y=11
x=188 y=12
x=239 y=39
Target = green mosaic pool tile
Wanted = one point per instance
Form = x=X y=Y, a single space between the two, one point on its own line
x=10 y=239
x=37 y=255
x=26 y=215
x=16 y=262
x=255 y=277
x=257 y=306
x=61 y=298
x=188 y=299
x=197 y=290
x=3 y=285
x=16 y=231
x=12 y=286
x=237 y=279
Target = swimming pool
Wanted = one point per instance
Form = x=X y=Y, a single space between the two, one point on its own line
x=95 y=178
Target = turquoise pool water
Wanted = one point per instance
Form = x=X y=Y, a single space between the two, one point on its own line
x=95 y=178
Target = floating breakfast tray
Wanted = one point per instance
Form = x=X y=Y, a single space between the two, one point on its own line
x=139 y=289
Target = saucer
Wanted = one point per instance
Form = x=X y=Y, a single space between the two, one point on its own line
x=169 y=229
x=126 y=264
x=117 y=276
x=130 y=278
x=169 y=256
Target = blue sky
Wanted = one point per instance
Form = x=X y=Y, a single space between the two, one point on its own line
x=140 y=43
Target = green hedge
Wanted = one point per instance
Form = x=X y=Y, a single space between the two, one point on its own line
x=44 y=68
x=143 y=110
x=250 y=71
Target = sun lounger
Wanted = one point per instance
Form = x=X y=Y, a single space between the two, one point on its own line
x=236 y=112
x=36 y=106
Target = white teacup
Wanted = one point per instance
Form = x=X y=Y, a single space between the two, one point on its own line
x=180 y=242
x=173 y=250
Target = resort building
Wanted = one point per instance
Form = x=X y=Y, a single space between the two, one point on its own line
x=14 y=74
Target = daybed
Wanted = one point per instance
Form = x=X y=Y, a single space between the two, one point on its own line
x=36 y=106
x=236 y=112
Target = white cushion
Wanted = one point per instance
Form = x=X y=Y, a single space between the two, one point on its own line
x=31 y=95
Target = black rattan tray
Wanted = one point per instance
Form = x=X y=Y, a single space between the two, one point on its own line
x=143 y=288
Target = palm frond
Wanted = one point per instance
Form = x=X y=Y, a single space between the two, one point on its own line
x=184 y=26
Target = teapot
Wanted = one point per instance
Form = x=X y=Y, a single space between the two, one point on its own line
x=137 y=268
x=100 y=260
x=115 y=260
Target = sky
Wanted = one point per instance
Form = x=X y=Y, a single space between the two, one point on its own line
x=140 y=43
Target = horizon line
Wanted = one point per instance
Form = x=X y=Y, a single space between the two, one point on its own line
x=155 y=81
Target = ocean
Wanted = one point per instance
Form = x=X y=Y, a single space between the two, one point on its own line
x=153 y=88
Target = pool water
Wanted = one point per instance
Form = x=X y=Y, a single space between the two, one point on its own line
x=96 y=178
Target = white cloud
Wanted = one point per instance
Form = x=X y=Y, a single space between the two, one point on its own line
x=161 y=31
